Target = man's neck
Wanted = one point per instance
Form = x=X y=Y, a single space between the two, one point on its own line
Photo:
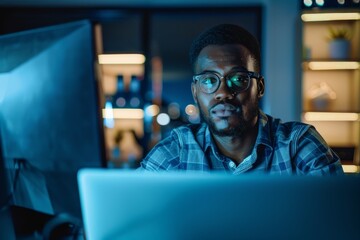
x=237 y=147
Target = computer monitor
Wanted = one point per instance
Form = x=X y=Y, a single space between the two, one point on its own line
x=191 y=205
x=50 y=116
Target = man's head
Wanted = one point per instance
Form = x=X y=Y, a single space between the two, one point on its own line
x=225 y=34
x=227 y=85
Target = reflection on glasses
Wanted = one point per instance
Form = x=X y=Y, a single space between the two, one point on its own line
x=237 y=81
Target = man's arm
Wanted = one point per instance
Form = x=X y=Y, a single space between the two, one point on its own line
x=163 y=156
x=314 y=156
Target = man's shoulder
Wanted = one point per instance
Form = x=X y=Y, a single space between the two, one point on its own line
x=190 y=134
x=294 y=126
x=286 y=129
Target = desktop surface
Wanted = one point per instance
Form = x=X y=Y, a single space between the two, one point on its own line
x=119 y=204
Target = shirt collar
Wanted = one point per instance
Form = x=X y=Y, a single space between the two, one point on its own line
x=264 y=133
x=208 y=139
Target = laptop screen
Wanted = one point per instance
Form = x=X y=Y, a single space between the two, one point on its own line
x=131 y=205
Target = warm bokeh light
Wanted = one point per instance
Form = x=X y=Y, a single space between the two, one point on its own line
x=124 y=113
x=317 y=17
x=190 y=109
x=152 y=110
x=121 y=58
x=193 y=113
x=351 y=168
x=339 y=65
x=331 y=116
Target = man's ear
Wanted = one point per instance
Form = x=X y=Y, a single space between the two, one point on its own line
x=261 y=87
x=193 y=91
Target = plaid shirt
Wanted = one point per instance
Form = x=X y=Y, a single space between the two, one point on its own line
x=280 y=148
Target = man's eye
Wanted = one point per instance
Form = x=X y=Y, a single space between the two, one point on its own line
x=238 y=80
x=208 y=81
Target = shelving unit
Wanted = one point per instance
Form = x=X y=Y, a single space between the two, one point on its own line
x=124 y=122
x=331 y=87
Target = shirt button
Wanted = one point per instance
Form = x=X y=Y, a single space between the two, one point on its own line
x=232 y=164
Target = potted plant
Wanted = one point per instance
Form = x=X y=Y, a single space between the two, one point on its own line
x=339 y=44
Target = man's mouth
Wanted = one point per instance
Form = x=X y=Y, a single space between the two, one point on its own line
x=223 y=110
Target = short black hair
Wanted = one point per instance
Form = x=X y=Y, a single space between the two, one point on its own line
x=225 y=34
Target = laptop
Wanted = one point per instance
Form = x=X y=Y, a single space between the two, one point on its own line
x=119 y=204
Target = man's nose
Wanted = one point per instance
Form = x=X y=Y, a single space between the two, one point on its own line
x=223 y=92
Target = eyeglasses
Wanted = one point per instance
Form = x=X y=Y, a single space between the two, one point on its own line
x=237 y=81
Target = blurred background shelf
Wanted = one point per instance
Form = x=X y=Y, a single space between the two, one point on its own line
x=331 y=81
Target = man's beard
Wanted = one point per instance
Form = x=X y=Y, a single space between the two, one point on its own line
x=234 y=131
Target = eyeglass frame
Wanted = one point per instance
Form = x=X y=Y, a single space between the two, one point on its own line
x=250 y=75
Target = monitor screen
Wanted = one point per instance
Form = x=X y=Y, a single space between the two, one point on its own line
x=50 y=116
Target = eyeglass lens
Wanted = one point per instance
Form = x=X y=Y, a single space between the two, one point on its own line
x=238 y=81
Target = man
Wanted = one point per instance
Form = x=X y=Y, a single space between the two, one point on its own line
x=235 y=135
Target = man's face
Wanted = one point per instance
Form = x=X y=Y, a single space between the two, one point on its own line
x=226 y=113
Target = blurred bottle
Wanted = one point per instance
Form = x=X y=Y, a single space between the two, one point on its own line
x=119 y=98
x=134 y=96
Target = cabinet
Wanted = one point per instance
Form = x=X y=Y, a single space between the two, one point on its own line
x=331 y=83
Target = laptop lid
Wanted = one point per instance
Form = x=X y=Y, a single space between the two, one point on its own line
x=119 y=204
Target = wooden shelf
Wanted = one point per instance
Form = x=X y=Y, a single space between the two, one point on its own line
x=332 y=116
x=324 y=65
x=329 y=16
x=339 y=121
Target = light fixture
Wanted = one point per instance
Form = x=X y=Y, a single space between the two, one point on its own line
x=334 y=65
x=317 y=17
x=123 y=113
x=351 y=168
x=331 y=116
x=121 y=58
